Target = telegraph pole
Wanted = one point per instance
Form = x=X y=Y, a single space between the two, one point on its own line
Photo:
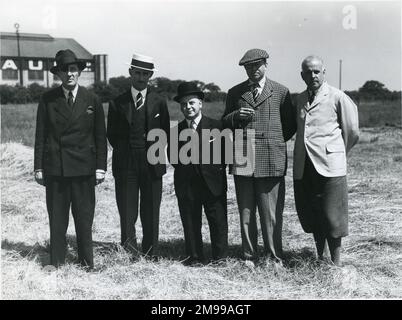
x=17 y=26
x=340 y=74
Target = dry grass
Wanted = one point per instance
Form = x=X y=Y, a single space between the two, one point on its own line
x=372 y=253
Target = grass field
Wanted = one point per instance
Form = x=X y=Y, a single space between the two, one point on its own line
x=18 y=121
x=372 y=253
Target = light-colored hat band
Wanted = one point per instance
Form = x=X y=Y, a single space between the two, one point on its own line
x=142 y=65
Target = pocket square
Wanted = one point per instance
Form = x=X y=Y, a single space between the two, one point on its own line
x=90 y=109
x=157 y=115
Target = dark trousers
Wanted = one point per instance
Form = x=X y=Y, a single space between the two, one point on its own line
x=268 y=194
x=137 y=185
x=322 y=203
x=79 y=193
x=190 y=205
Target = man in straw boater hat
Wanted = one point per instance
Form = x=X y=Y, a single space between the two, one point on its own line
x=199 y=184
x=261 y=107
x=70 y=157
x=131 y=116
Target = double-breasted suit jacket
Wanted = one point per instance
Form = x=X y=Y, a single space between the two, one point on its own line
x=70 y=142
x=273 y=123
x=118 y=128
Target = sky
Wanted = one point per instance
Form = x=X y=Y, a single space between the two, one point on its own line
x=204 y=40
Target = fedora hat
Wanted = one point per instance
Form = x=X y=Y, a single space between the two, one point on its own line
x=142 y=62
x=187 y=89
x=65 y=58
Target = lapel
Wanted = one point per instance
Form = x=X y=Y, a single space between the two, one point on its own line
x=247 y=94
x=61 y=106
x=80 y=104
x=150 y=104
x=265 y=93
x=322 y=93
x=127 y=105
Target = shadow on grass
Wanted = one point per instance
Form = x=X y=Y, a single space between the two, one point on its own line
x=31 y=252
x=167 y=249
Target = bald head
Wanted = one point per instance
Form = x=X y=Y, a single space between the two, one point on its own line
x=313 y=72
x=310 y=59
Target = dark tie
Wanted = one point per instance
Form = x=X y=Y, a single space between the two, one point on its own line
x=254 y=90
x=139 y=102
x=311 y=98
x=70 y=100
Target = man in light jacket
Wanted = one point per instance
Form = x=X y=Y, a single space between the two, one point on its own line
x=327 y=128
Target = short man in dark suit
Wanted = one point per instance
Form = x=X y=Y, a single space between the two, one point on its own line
x=70 y=157
x=131 y=116
x=264 y=107
x=199 y=184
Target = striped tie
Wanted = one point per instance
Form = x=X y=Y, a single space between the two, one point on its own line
x=255 y=92
x=139 y=102
x=193 y=125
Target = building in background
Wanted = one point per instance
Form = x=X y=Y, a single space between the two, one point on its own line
x=37 y=52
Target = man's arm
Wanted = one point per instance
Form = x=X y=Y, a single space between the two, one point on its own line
x=288 y=117
x=111 y=123
x=165 y=124
x=230 y=117
x=100 y=142
x=40 y=138
x=348 y=117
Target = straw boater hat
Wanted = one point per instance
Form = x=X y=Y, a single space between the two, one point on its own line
x=142 y=62
x=65 y=58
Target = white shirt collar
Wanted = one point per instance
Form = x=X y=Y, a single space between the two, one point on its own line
x=196 y=120
x=134 y=93
x=74 y=91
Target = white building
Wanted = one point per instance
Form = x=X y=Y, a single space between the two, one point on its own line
x=37 y=52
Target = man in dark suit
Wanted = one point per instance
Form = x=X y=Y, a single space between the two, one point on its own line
x=131 y=116
x=70 y=157
x=199 y=184
x=261 y=108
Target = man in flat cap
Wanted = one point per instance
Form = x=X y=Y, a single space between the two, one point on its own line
x=138 y=183
x=200 y=184
x=327 y=129
x=70 y=157
x=263 y=107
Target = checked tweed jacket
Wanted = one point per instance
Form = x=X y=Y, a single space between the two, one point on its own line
x=273 y=123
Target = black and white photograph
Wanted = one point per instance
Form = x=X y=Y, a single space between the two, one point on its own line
x=212 y=152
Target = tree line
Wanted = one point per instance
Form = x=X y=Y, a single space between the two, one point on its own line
x=372 y=90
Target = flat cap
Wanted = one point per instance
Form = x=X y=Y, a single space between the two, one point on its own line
x=253 y=55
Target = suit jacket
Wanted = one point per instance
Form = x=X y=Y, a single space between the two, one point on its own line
x=327 y=130
x=70 y=142
x=214 y=175
x=273 y=123
x=119 y=122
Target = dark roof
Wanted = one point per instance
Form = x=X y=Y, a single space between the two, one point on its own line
x=33 y=45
